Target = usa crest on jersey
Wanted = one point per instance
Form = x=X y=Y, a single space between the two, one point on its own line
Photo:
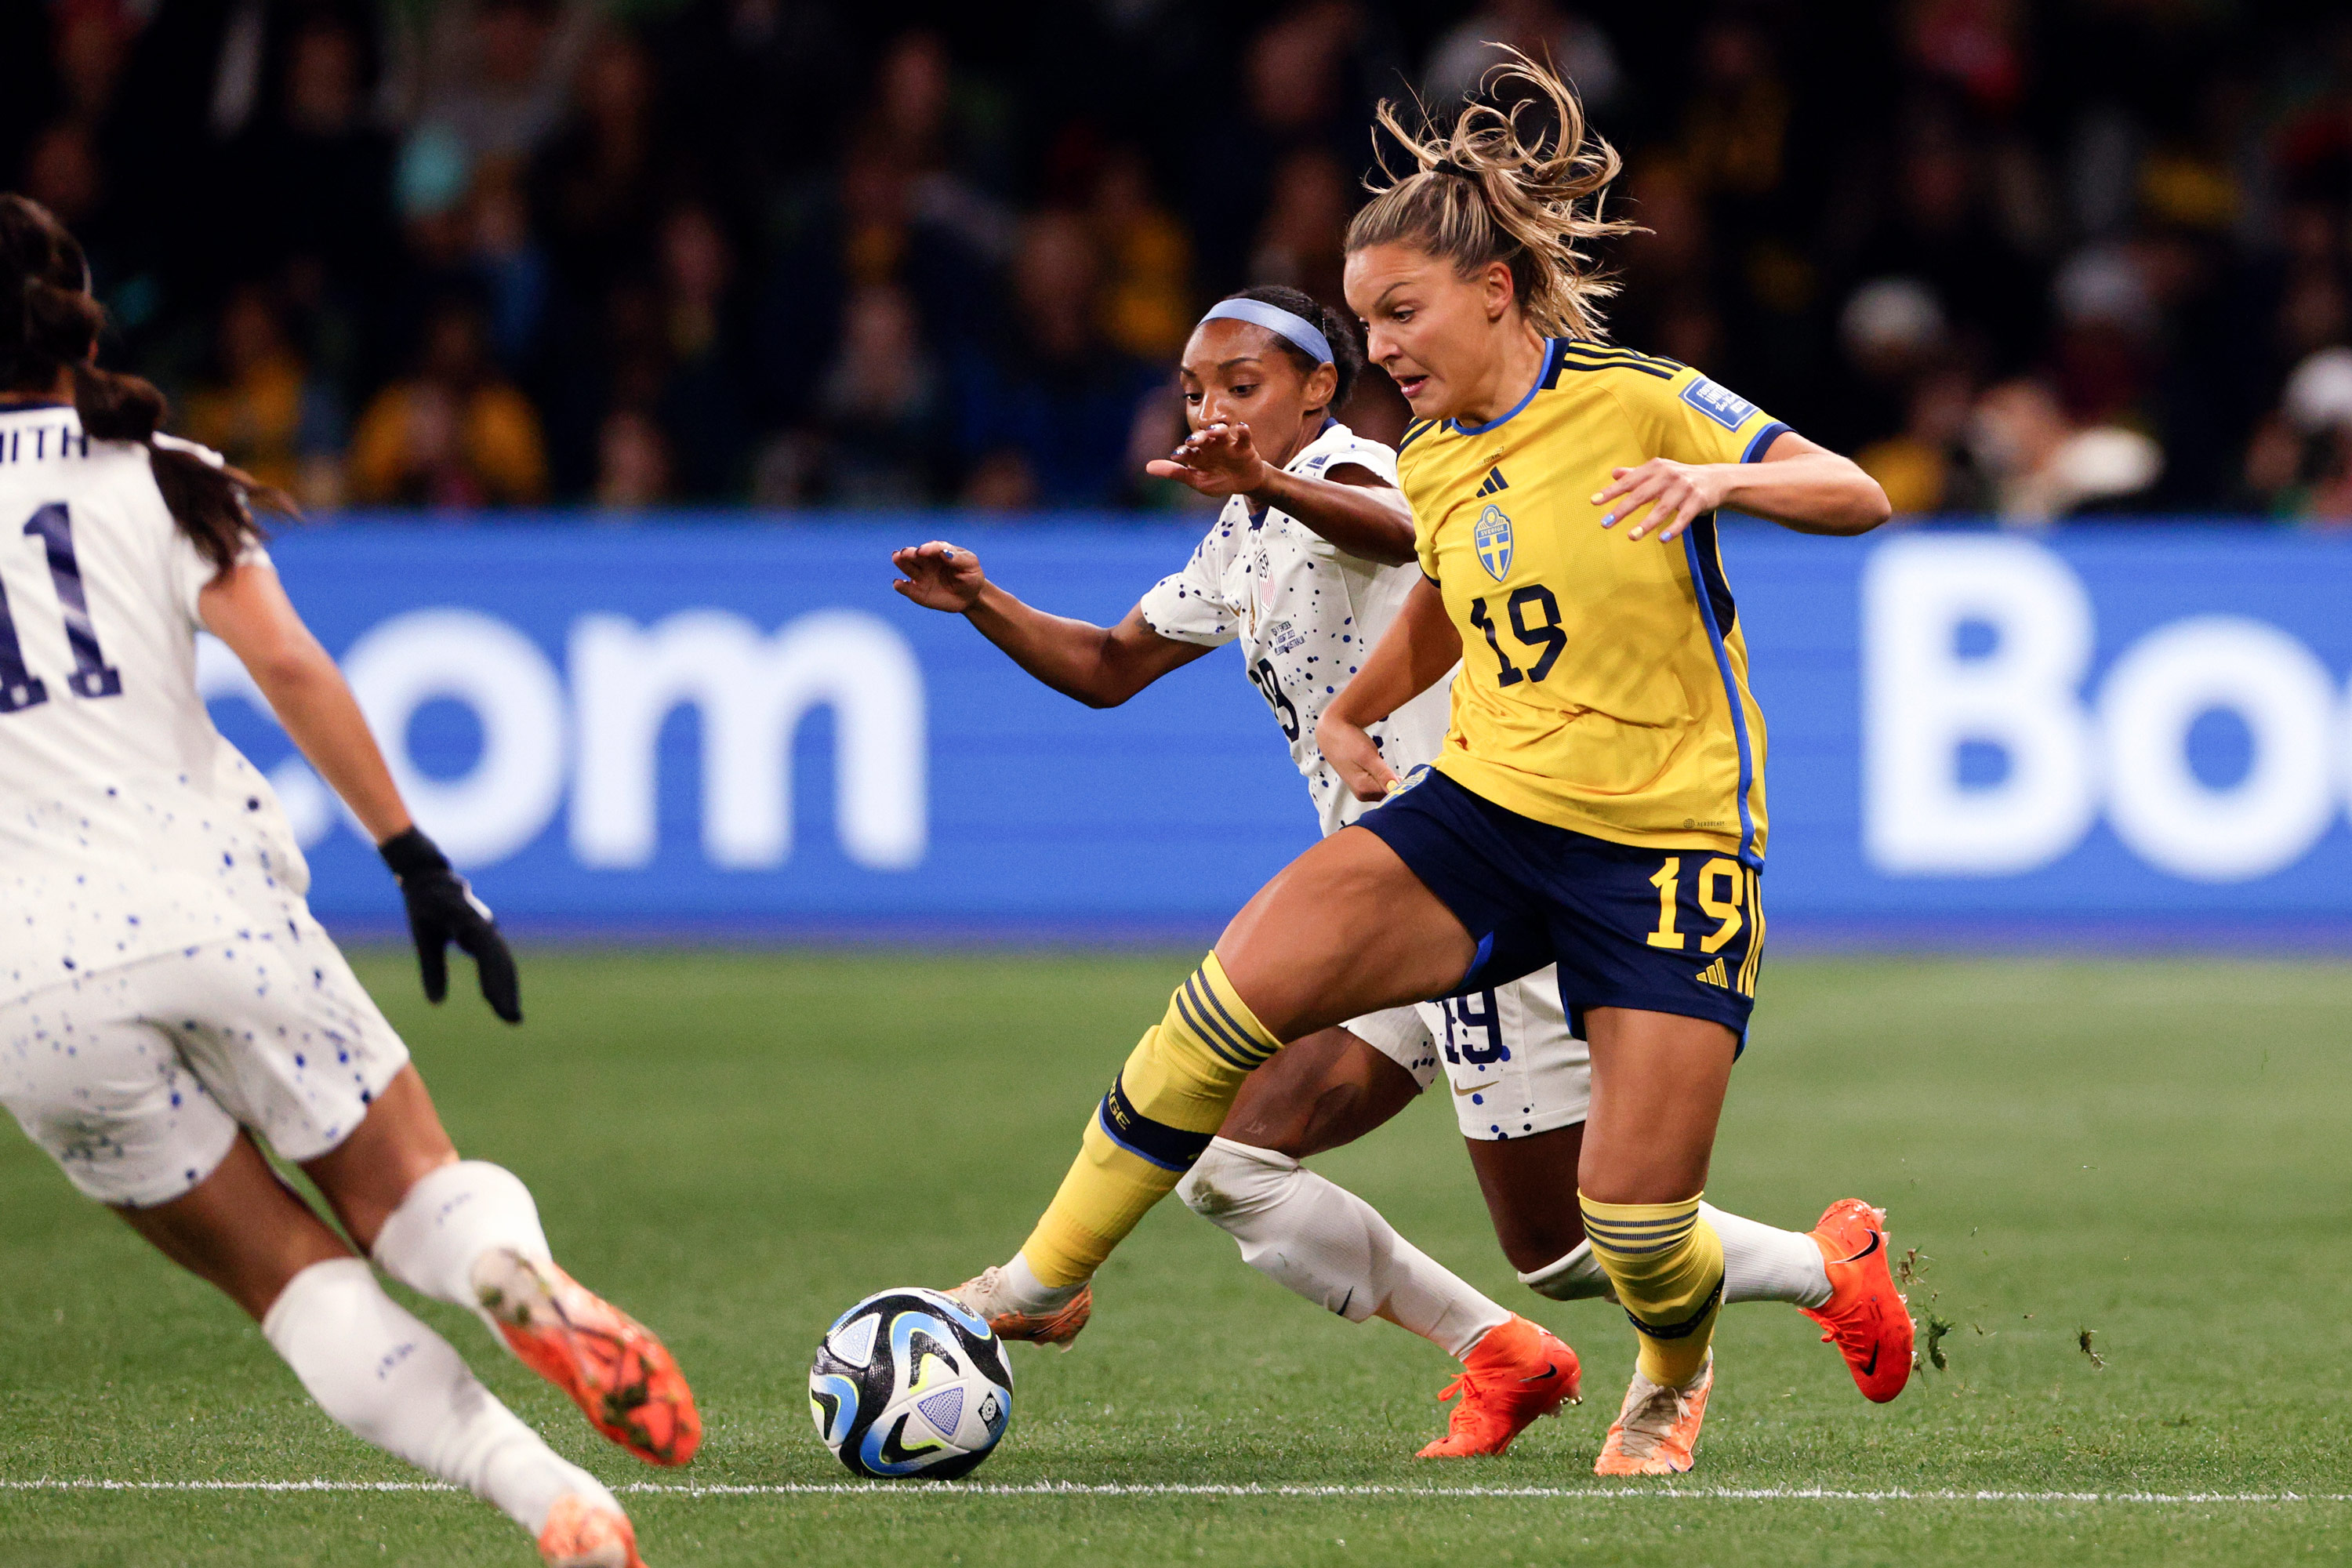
x=1493 y=538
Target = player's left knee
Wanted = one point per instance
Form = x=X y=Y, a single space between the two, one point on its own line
x=1233 y=1181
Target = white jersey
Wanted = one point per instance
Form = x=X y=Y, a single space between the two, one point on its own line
x=1305 y=614
x=127 y=825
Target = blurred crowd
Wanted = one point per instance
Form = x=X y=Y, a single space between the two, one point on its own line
x=2026 y=258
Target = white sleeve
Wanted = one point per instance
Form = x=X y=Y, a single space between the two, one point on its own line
x=1191 y=606
x=1352 y=451
x=192 y=573
x=1379 y=458
x=194 y=449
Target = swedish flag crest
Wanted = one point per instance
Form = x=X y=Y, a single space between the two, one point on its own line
x=1493 y=538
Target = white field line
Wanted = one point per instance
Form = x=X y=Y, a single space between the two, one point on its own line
x=946 y=1490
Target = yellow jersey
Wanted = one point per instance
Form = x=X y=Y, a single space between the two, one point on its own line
x=1604 y=679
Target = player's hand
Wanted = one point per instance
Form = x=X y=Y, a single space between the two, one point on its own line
x=1676 y=494
x=939 y=576
x=1356 y=757
x=1217 y=461
x=442 y=909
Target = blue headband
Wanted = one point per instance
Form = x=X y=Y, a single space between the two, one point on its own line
x=1295 y=330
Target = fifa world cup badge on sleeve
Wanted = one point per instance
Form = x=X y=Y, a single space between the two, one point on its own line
x=1720 y=404
x=1493 y=538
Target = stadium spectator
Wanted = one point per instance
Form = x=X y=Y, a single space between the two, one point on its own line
x=497 y=73
x=596 y=186
x=701 y=395
x=2043 y=467
x=1572 y=43
x=885 y=406
x=2299 y=463
x=264 y=410
x=1925 y=467
x=942 y=148
x=1046 y=418
x=1147 y=260
x=632 y=462
x=455 y=434
x=1307 y=213
x=314 y=171
x=62 y=173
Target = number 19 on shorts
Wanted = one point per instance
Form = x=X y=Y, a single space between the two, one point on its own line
x=1703 y=907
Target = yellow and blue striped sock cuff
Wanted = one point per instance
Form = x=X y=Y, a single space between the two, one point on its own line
x=1666 y=1262
x=1213 y=1012
x=1637 y=1230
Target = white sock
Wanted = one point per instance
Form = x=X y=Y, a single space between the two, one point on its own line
x=1330 y=1245
x=1761 y=1263
x=397 y=1384
x=1578 y=1277
x=1019 y=1290
x=447 y=1220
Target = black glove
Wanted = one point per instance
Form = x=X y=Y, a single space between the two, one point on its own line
x=442 y=909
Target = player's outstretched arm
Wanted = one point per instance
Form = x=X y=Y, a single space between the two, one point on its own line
x=1798 y=485
x=247 y=607
x=1419 y=646
x=1101 y=667
x=1351 y=506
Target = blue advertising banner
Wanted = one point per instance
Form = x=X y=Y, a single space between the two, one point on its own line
x=739 y=730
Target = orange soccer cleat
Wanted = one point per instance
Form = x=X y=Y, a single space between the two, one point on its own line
x=1656 y=1430
x=1866 y=1314
x=587 y=1532
x=1057 y=1328
x=620 y=1375
x=1518 y=1373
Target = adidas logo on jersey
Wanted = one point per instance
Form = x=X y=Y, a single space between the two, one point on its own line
x=1716 y=975
x=1495 y=482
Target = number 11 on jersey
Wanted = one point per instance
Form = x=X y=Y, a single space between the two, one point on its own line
x=92 y=676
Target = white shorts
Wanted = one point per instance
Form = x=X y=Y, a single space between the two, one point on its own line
x=136 y=1079
x=1511 y=1061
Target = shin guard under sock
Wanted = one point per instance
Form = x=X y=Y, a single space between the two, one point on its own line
x=1165 y=1105
x=1666 y=1264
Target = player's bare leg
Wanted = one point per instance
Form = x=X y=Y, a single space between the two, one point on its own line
x=1658 y=1084
x=374 y=1368
x=1836 y=1274
x=1343 y=930
x=467 y=1232
x=1530 y=1185
x=1317 y=1094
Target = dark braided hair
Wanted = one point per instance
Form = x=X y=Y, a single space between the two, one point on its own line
x=1347 y=348
x=49 y=322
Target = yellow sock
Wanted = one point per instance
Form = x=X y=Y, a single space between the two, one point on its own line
x=1667 y=1266
x=1165 y=1105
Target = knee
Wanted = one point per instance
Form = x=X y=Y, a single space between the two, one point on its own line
x=1286 y=1125
x=1532 y=1241
x=1233 y=1181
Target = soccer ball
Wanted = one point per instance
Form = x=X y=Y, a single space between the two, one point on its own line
x=907 y=1383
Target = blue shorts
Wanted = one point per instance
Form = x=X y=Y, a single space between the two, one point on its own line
x=1665 y=930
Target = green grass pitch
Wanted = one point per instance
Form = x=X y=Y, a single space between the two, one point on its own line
x=735 y=1146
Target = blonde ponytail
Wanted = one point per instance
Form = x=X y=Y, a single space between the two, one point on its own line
x=1484 y=190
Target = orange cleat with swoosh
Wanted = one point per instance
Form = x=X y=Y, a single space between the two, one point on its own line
x=1518 y=1373
x=621 y=1377
x=1866 y=1314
